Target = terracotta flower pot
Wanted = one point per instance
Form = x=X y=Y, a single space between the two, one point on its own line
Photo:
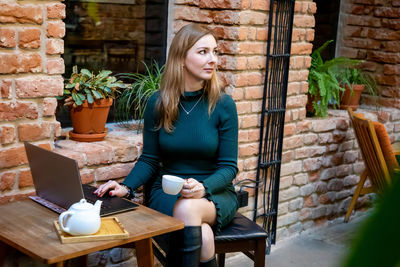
x=349 y=99
x=89 y=120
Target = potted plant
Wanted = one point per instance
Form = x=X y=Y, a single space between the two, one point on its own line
x=90 y=97
x=354 y=81
x=133 y=99
x=324 y=85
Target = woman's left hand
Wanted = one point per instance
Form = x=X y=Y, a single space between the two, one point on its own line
x=193 y=189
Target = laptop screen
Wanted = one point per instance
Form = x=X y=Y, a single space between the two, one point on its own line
x=56 y=177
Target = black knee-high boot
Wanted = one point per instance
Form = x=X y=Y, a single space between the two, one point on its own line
x=188 y=246
x=209 y=263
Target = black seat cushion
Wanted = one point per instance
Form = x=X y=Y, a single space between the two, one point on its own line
x=240 y=228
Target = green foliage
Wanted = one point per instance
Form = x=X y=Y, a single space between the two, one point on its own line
x=85 y=85
x=325 y=79
x=133 y=100
x=351 y=75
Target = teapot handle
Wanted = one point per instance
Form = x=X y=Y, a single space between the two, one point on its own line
x=61 y=220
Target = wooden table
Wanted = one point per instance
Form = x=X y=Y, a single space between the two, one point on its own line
x=28 y=227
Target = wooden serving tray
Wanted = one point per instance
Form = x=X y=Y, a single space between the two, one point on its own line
x=110 y=228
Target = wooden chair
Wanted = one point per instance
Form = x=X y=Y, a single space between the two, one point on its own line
x=379 y=158
x=241 y=235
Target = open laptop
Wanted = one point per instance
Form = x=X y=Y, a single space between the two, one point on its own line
x=58 y=183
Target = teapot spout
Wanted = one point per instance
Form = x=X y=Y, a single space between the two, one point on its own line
x=97 y=206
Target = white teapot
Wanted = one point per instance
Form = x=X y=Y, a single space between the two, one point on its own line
x=81 y=218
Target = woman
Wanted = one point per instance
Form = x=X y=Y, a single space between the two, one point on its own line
x=191 y=131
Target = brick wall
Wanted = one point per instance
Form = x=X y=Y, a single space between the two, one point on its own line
x=371 y=32
x=30 y=78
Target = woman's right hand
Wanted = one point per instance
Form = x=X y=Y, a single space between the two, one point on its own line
x=114 y=189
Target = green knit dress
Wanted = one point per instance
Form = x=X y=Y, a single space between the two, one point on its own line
x=202 y=146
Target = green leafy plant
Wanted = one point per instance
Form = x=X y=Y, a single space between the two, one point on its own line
x=133 y=100
x=350 y=75
x=85 y=85
x=323 y=80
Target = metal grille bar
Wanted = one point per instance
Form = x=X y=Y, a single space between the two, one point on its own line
x=273 y=114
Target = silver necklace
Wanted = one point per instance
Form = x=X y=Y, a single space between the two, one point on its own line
x=187 y=112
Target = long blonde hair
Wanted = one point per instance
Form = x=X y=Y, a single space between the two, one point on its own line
x=172 y=81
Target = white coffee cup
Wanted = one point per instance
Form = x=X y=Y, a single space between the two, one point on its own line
x=171 y=184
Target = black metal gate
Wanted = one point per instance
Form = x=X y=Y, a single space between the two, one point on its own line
x=273 y=114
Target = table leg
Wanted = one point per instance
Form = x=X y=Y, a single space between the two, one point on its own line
x=3 y=253
x=144 y=253
x=58 y=264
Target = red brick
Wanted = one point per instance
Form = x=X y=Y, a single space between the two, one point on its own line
x=5 y=88
x=296 y=101
x=193 y=14
x=18 y=63
x=7 y=181
x=54 y=46
x=55 y=66
x=391 y=69
x=243 y=33
x=243 y=107
x=250 y=163
x=113 y=171
x=237 y=93
x=12 y=111
x=303 y=21
x=383 y=34
x=55 y=11
x=289 y=129
x=232 y=63
x=260 y=5
x=23 y=13
x=251 y=48
x=303 y=126
x=248 y=121
x=390 y=46
x=34 y=131
x=262 y=34
x=7 y=134
x=87 y=176
x=56 y=29
x=253 y=18
x=39 y=86
x=49 y=106
x=387 y=12
x=301 y=48
x=363 y=21
x=11 y=157
x=226 y=32
x=7 y=38
x=228 y=47
x=248 y=150
x=96 y=153
x=292 y=142
x=248 y=79
x=223 y=4
x=29 y=38
x=391 y=23
x=256 y=62
x=256 y=105
x=384 y=57
x=254 y=92
x=25 y=179
x=246 y=4
x=226 y=17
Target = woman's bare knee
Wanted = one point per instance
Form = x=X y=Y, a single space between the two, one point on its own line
x=186 y=211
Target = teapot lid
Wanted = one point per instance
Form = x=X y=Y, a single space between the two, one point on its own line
x=82 y=205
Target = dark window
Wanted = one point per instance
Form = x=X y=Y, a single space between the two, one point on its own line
x=326 y=23
x=116 y=35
